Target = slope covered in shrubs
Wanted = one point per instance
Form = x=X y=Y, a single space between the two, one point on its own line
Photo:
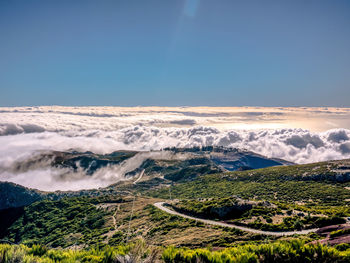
x=59 y=223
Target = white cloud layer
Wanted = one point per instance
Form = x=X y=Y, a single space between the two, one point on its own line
x=299 y=135
x=41 y=175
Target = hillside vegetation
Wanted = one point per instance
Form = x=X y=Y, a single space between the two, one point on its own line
x=293 y=251
x=60 y=223
x=106 y=224
x=314 y=186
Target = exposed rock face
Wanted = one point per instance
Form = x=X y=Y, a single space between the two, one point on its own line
x=13 y=195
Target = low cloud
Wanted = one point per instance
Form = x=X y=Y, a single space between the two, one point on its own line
x=10 y=129
x=24 y=132
x=296 y=145
x=184 y=122
x=302 y=141
x=39 y=174
x=338 y=136
x=345 y=148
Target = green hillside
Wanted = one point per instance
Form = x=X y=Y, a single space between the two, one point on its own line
x=315 y=187
x=284 y=198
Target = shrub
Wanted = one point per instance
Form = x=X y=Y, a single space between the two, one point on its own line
x=342 y=247
x=339 y=233
x=294 y=251
x=38 y=250
x=40 y=254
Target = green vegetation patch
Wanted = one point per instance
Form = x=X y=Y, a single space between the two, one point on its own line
x=293 y=251
x=60 y=223
x=263 y=184
x=340 y=232
x=41 y=254
x=220 y=208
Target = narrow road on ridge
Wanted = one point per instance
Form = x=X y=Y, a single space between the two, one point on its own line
x=161 y=206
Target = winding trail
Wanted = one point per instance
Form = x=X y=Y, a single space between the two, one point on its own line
x=140 y=176
x=114 y=217
x=161 y=206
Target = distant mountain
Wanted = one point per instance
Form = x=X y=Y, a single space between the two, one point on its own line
x=159 y=167
x=88 y=161
x=233 y=159
x=219 y=158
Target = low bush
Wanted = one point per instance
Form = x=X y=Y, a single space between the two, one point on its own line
x=295 y=251
x=340 y=232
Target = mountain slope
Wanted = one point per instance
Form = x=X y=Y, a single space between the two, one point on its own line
x=13 y=195
x=158 y=168
x=264 y=199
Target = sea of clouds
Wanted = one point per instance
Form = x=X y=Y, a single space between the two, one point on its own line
x=27 y=131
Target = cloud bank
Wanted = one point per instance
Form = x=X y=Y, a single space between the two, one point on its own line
x=41 y=175
x=272 y=132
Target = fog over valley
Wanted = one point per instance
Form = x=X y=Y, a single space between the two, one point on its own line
x=285 y=133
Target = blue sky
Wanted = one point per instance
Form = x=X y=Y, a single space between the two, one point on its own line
x=175 y=53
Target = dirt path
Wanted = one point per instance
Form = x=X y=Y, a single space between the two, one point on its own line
x=161 y=206
x=139 y=178
x=115 y=217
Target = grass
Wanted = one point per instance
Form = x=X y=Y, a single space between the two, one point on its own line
x=319 y=198
x=41 y=254
x=220 y=186
x=88 y=222
x=137 y=251
x=309 y=188
x=161 y=229
x=257 y=215
x=294 y=251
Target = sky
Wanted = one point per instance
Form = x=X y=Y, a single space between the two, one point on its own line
x=175 y=53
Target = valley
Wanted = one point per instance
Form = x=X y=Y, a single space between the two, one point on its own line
x=188 y=202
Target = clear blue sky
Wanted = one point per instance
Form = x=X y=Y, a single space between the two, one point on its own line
x=175 y=53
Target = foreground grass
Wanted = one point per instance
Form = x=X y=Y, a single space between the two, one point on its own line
x=284 y=251
x=295 y=251
x=135 y=252
x=40 y=254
